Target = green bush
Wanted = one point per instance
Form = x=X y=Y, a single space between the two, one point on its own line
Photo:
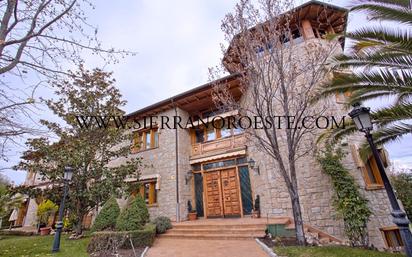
x=134 y=216
x=106 y=219
x=45 y=210
x=402 y=182
x=110 y=241
x=162 y=224
x=348 y=201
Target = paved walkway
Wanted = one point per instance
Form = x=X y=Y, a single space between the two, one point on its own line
x=169 y=247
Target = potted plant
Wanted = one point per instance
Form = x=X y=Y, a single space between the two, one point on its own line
x=191 y=214
x=45 y=214
x=256 y=209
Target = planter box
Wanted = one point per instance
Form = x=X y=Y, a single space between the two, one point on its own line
x=192 y=215
x=256 y=214
x=45 y=231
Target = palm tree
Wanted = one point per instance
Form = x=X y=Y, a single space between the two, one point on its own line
x=378 y=66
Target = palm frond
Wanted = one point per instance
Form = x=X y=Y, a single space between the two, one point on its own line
x=393 y=3
x=334 y=135
x=360 y=96
x=392 y=114
x=384 y=12
x=386 y=135
x=367 y=59
x=381 y=36
x=364 y=83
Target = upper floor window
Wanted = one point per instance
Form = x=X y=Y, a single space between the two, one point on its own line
x=343 y=98
x=143 y=140
x=210 y=133
x=319 y=33
x=219 y=130
x=225 y=131
x=199 y=135
x=238 y=130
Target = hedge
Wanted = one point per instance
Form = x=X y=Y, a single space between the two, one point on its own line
x=103 y=241
x=106 y=219
x=134 y=216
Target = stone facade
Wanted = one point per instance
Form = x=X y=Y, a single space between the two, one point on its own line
x=315 y=189
x=161 y=162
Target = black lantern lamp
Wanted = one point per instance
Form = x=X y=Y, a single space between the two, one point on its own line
x=252 y=165
x=68 y=174
x=362 y=119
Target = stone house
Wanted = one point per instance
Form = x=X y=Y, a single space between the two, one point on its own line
x=221 y=172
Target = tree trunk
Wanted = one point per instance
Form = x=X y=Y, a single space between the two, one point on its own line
x=78 y=227
x=297 y=217
x=80 y=213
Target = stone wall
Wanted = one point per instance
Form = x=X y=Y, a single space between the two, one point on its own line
x=30 y=219
x=162 y=161
x=315 y=187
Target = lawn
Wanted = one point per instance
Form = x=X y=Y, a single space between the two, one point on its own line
x=329 y=251
x=22 y=246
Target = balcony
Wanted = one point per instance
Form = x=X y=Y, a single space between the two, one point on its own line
x=218 y=146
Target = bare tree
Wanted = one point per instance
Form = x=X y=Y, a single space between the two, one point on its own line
x=40 y=40
x=279 y=71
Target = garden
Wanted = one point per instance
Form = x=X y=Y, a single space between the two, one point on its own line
x=115 y=232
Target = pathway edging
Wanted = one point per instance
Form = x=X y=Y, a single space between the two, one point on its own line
x=144 y=251
x=266 y=248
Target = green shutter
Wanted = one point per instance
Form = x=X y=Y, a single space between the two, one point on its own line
x=199 y=193
x=247 y=200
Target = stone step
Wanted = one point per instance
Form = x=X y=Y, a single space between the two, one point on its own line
x=221 y=226
x=217 y=231
x=219 y=236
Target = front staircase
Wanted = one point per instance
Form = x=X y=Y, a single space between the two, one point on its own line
x=215 y=231
x=237 y=229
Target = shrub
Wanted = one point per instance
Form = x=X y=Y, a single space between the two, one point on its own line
x=45 y=210
x=162 y=224
x=402 y=183
x=134 y=216
x=348 y=201
x=106 y=219
x=110 y=241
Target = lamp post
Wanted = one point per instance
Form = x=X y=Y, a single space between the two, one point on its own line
x=361 y=116
x=68 y=173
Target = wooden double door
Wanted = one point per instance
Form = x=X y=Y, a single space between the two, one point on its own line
x=222 y=193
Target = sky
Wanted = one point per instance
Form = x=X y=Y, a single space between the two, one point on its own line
x=176 y=42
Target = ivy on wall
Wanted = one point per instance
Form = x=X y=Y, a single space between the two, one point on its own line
x=348 y=201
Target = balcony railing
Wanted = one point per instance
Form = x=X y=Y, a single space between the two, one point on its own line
x=219 y=145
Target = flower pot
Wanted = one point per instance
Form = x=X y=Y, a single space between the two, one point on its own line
x=192 y=215
x=45 y=231
x=256 y=214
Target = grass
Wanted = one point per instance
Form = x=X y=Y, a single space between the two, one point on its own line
x=39 y=246
x=329 y=251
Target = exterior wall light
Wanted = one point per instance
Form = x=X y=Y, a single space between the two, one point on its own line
x=252 y=165
x=188 y=176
